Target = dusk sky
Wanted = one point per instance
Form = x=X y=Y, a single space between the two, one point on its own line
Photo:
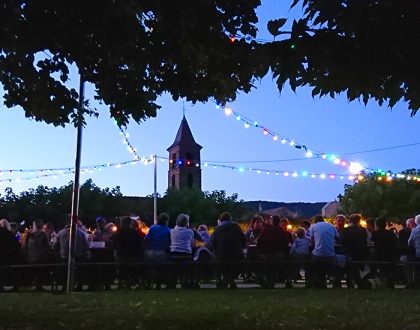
x=332 y=126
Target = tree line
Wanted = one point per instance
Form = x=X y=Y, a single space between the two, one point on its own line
x=397 y=199
x=54 y=205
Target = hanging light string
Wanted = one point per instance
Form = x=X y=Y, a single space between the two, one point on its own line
x=386 y=176
x=131 y=149
x=53 y=173
x=354 y=167
x=357 y=171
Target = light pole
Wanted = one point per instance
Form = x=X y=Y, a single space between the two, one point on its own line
x=74 y=216
x=155 y=191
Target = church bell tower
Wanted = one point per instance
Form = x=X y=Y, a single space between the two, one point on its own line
x=184 y=160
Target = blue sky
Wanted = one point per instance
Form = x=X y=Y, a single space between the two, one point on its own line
x=327 y=125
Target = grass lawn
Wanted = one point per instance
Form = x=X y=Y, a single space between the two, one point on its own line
x=214 y=309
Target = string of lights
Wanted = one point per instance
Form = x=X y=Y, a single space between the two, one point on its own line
x=55 y=172
x=354 y=167
x=382 y=175
x=131 y=149
x=385 y=176
x=60 y=171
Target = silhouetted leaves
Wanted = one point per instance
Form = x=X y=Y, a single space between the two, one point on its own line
x=398 y=199
x=274 y=26
x=366 y=49
x=129 y=51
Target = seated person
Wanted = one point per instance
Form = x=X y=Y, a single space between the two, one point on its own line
x=158 y=240
x=227 y=242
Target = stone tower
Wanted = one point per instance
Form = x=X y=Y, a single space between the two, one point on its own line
x=184 y=160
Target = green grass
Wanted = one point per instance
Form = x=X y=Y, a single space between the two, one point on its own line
x=214 y=309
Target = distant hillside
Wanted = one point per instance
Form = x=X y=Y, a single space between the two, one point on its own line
x=305 y=210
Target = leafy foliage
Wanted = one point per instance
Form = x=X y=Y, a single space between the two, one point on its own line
x=54 y=205
x=399 y=199
x=367 y=49
x=130 y=51
x=203 y=207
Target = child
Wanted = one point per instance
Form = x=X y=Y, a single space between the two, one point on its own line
x=300 y=246
x=299 y=251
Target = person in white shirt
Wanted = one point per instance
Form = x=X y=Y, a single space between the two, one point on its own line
x=182 y=237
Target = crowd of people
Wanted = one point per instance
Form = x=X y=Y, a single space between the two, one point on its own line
x=317 y=251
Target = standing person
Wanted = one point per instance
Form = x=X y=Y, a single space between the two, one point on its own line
x=227 y=242
x=385 y=245
x=80 y=247
x=323 y=236
x=81 y=244
x=37 y=251
x=354 y=242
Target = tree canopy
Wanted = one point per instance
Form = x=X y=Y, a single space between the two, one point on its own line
x=367 y=49
x=54 y=205
x=397 y=199
x=131 y=51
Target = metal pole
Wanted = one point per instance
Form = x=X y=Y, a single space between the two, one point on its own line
x=155 y=192
x=74 y=216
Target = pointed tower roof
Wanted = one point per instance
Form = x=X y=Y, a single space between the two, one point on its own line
x=184 y=136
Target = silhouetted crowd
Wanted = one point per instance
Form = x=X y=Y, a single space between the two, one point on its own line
x=269 y=252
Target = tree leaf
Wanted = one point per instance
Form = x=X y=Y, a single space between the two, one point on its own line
x=274 y=26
